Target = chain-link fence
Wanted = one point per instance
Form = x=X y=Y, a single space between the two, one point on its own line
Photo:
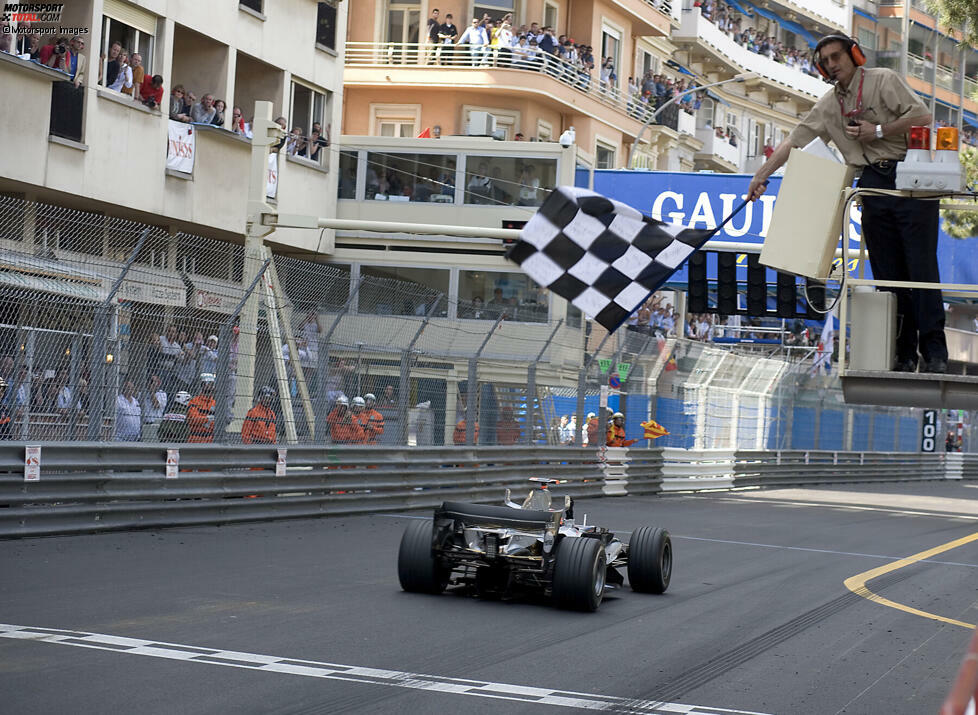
x=115 y=330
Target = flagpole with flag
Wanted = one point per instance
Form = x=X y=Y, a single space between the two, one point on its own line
x=823 y=353
x=605 y=257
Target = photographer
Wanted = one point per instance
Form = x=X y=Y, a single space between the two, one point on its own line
x=66 y=56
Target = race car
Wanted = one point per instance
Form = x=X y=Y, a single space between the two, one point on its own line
x=499 y=550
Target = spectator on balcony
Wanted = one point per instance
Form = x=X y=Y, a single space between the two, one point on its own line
x=219 y=108
x=203 y=112
x=296 y=142
x=315 y=145
x=237 y=121
x=388 y=400
x=177 y=95
x=66 y=56
x=164 y=362
x=502 y=44
x=521 y=53
x=61 y=394
x=151 y=91
x=138 y=75
x=477 y=38
x=128 y=415
x=30 y=44
x=480 y=185
x=448 y=36
x=111 y=64
x=186 y=367
x=123 y=80
x=434 y=27
x=153 y=402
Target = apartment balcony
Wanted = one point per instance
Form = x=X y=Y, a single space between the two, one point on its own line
x=66 y=141
x=717 y=153
x=705 y=40
x=491 y=72
x=829 y=12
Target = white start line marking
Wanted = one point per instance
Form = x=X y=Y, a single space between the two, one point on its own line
x=357 y=674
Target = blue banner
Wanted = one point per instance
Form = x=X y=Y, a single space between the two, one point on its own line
x=699 y=200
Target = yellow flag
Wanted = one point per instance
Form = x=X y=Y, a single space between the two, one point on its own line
x=653 y=430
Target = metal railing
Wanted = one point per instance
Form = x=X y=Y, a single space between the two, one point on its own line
x=89 y=487
x=475 y=58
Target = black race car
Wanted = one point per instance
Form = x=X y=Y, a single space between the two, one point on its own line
x=530 y=546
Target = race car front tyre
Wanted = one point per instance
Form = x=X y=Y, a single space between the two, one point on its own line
x=650 y=560
x=580 y=569
x=417 y=569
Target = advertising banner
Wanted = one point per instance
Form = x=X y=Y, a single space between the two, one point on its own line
x=181 y=147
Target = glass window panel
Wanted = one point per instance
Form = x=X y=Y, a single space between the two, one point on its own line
x=394 y=290
x=347 y=185
x=411 y=177
x=326 y=25
x=604 y=157
x=573 y=316
x=508 y=181
x=483 y=295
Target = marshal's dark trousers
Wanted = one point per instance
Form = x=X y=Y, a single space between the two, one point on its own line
x=901 y=236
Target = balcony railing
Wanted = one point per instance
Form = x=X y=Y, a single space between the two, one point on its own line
x=970 y=88
x=476 y=58
x=717 y=146
x=694 y=25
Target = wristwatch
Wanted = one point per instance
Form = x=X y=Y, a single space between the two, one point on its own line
x=879 y=131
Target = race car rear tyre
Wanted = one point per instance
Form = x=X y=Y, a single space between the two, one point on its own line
x=417 y=570
x=650 y=560
x=580 y=569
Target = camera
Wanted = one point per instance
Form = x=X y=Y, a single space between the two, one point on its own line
x=60 y=48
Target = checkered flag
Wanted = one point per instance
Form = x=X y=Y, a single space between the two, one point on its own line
x=603 y=256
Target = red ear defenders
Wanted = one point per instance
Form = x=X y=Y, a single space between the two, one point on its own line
x=855 y=52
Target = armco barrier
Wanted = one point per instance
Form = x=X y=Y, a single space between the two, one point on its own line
x=87 y=487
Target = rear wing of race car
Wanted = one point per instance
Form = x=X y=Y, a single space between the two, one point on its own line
x=502 y=517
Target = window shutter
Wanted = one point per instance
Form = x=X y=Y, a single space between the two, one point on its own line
x=130 y=15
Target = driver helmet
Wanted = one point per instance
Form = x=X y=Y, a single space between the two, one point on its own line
x=182 y=398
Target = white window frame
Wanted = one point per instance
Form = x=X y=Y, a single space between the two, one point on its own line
x=618 y=33
x=326 y=95
x=545 y=131
x=549 y=6
x=607 y=145
x=380 y=113
x=147 y=57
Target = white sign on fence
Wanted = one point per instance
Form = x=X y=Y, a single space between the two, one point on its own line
x=181 y=147
x=172 y=463
x=280 y=463
x=32 y=464
x=271 y=187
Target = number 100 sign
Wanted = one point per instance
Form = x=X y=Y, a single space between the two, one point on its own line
x=928 y=431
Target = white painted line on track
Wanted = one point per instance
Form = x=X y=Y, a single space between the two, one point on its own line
x=356 y=674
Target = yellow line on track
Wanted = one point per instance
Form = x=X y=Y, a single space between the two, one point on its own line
x=857 y=583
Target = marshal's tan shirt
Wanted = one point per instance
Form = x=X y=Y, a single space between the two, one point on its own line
x=886 y=97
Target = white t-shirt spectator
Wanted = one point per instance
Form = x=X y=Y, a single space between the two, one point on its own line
x=123 y=79
x=63 y=400
x=153 y=414
x=128 y=419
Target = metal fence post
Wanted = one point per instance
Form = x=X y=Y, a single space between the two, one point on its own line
x=531 y=385
x=321 y=401
x=100 y=337
x=405 y=374
x=223 y=382
x=471 y=398
x=582 y=388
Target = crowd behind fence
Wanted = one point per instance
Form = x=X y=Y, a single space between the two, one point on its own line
x=167 y=358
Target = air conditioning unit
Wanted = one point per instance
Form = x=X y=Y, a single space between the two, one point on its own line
x=481 y=124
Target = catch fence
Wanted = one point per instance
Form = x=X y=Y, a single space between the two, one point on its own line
x=104 y=322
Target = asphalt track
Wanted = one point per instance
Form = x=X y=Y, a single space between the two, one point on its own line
x=788 y=601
